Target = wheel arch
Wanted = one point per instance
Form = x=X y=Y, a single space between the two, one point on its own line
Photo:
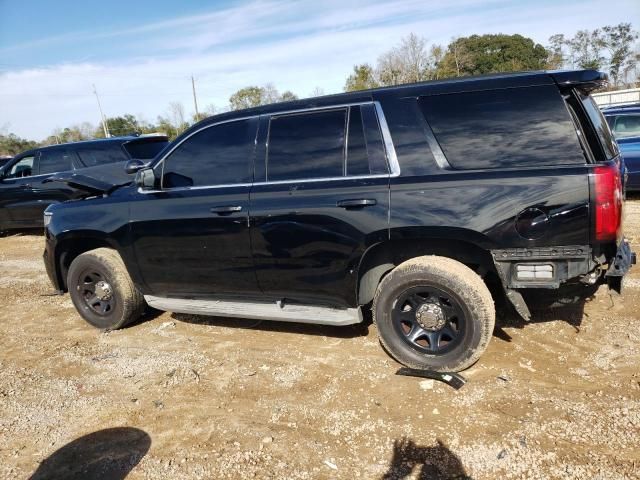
x=465 y=246
x=69 y=247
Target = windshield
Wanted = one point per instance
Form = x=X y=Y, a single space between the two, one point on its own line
x=601 y=127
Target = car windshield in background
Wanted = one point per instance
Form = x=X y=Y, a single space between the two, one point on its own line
x=145 y=149
x=625 y=126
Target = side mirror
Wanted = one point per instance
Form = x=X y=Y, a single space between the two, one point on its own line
x=146 y=178
x=134 y=165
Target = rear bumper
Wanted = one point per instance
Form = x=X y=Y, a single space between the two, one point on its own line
x=620 y=265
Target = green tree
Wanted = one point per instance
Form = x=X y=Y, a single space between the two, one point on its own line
x=362 y=78
x=11 y=144
x=618 y=40
x=408 y=62
x=254 y=96
x=123 y=125
x=491 y=53
x=246 y=98
x=556 y=56
x=586 y=49
x=288 y=96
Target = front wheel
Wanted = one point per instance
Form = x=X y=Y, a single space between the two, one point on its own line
x=102 y=291
x=434 y=313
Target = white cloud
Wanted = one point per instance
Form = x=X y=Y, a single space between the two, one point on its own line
x=296 y=45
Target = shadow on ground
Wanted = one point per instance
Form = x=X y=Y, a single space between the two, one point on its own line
x=23 y=231
x=566 y=304
x=106 y=454
x=429 y=463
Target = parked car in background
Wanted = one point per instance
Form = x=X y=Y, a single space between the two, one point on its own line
x=4 y=160
x=25 y=189
x=625 y=125
x=404 y=201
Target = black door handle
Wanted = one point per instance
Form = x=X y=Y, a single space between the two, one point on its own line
x=226 y=209
x=358 y=203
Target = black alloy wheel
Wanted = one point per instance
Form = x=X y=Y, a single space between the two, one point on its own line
x=428 y=319
x=102 y=290
x=97 y=292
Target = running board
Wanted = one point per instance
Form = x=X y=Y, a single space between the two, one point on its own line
x=258 y=310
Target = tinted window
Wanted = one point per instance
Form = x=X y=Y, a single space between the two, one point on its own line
x=306 y=145
x=627 y=126
x=409 y=132
x=214 y=156
x=23 y=168
x=55 y=160
x=365 y=148
x=516 y=127
x=601 y=127
x=93 y=155
x=144 y=149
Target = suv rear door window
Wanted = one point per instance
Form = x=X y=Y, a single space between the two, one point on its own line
x=109 y=152
x=365 y=147
x=217 y=155
x=516 y=127
x=54 y=160
x=306 y=145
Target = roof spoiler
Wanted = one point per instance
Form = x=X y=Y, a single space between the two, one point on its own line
x=584 y=80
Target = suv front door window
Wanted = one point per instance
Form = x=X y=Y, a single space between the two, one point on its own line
x=17 y=206
x=204 y=204
x=22 y=168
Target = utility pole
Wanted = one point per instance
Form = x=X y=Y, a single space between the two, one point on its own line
x=195 y=101
x=104 y=122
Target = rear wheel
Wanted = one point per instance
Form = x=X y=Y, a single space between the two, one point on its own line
x=102 y=291
x=434 y=313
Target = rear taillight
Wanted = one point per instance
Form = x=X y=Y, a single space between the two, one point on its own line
x=608 y=202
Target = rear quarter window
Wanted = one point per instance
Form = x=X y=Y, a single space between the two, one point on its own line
x=515 y=127
x=601 y=127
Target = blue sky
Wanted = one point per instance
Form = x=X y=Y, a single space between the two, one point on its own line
x=140 y=55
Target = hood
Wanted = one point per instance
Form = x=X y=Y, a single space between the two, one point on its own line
x=87 y=184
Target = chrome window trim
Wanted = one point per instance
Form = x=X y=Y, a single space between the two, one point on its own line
x=164 y=158
x=392 y=159
x=390 y=151
x=292 y=113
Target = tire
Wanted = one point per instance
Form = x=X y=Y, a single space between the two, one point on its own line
x=434 y=313
x=102 y=290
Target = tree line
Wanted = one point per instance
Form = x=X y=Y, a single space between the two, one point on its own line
x=612 y=48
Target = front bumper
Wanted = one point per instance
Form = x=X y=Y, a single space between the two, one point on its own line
x=620 y=266
x=50 y=265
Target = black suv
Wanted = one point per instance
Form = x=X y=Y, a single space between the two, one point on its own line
x=409 y=201
x=26 y=186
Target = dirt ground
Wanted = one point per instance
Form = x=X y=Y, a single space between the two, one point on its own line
x=178 y=396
